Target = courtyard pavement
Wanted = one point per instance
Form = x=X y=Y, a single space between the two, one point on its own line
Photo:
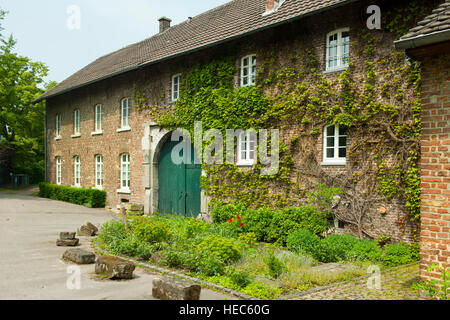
x=30 y=262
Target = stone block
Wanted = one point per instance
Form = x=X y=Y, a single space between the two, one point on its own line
x=88 y=230
x=67 y=243
x=114 y=268
x=67 y=235
x=79 y=256
x=170 y=288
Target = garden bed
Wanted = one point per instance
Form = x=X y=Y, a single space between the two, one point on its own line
x=226 y=255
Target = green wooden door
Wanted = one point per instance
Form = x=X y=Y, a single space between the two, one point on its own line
x=179 y=185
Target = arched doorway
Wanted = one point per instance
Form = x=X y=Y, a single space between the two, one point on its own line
x=179 y=185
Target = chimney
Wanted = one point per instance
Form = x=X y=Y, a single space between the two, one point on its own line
x=164 y=24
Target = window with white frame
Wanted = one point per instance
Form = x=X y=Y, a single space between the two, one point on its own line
x=126 y=113
x=176 y=83
x=98 y=118
x=77 y=121
x=338 y=49
x=335 y=145
x=246 y=148
x=58 y=170
x=77 y=171
x=248 y=70
x=125 y=172
x=99 y=172
x=58 y=125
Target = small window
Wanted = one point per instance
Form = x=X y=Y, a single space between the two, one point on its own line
x=338 y=49
x=335 y=145
x=77 y=171
x=98 y=118
x=99 y=172
x=126 y=113
x=176 y=83
x=58 y=125
x=58 y=171
x=246 y=148
x=125 y=171
x=77 y=128
x=248 y=70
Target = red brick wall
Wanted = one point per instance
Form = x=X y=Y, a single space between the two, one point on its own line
x=435 y=166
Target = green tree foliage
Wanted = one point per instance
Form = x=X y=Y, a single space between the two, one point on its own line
x=21 y=123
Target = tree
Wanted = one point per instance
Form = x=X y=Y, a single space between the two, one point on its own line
x=21 y=123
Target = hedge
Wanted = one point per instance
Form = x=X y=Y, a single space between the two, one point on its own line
x=92 y=198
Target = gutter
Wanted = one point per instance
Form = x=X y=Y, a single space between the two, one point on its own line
x=423 y=40
x=206 y=46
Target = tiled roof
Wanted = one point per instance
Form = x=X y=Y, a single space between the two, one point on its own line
x=438 y=21
x=229 y=21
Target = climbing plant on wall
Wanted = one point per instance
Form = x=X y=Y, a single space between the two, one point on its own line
x=377 y=98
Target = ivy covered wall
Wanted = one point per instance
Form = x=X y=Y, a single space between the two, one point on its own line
x=377 y=99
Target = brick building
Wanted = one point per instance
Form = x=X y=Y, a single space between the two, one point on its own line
x=429 y=43
x=98 y=137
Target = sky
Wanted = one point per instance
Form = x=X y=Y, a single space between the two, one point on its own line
x=67 y=35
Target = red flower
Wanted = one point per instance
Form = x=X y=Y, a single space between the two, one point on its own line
x=230 y=220
x=242 y=224
x=238 y=217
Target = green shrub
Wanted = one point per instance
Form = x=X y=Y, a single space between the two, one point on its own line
x=112 y=233
x=334 y=248
x=262 y=291
x=397 y=254
x=302 y=241
x=365 y=250
x=225 y=248
x=276 y=266
x=88 y=197
x=210 y=265
x=241 y=279
x=288 y=220
x=133 y=247
x=222 y=213
x=194 y=227
x=259 y=222
x=152 y=231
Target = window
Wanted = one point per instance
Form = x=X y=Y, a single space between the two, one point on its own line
x=338 y=49
x=125 y=113
x=58 y=125
x=176 y=83
x=248 y=70
x=125 y=172
x=77 y=171
x=58 y=171
x=246 y=148
x=77 y=129
x=99 y=172
x=98 y=118
x=335 y=145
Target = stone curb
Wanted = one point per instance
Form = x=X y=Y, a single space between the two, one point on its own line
x=322 y=288
x=175 y=274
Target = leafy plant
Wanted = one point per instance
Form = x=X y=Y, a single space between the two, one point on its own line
x=303 y=241
x=436 y=289
x=227 y=249
x=397 y=254
x=276 y=266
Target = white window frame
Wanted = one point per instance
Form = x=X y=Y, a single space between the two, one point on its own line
x=98 y=118
x=77 y=123
x=99 y=172
x=251 y=71
x=340 y=64
x=77 y=171
x=125 y=180
x=125 y=114
x=336 y=160
x=58 y=170
x=176 y=84
x=58 y=126
x=245 y=150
